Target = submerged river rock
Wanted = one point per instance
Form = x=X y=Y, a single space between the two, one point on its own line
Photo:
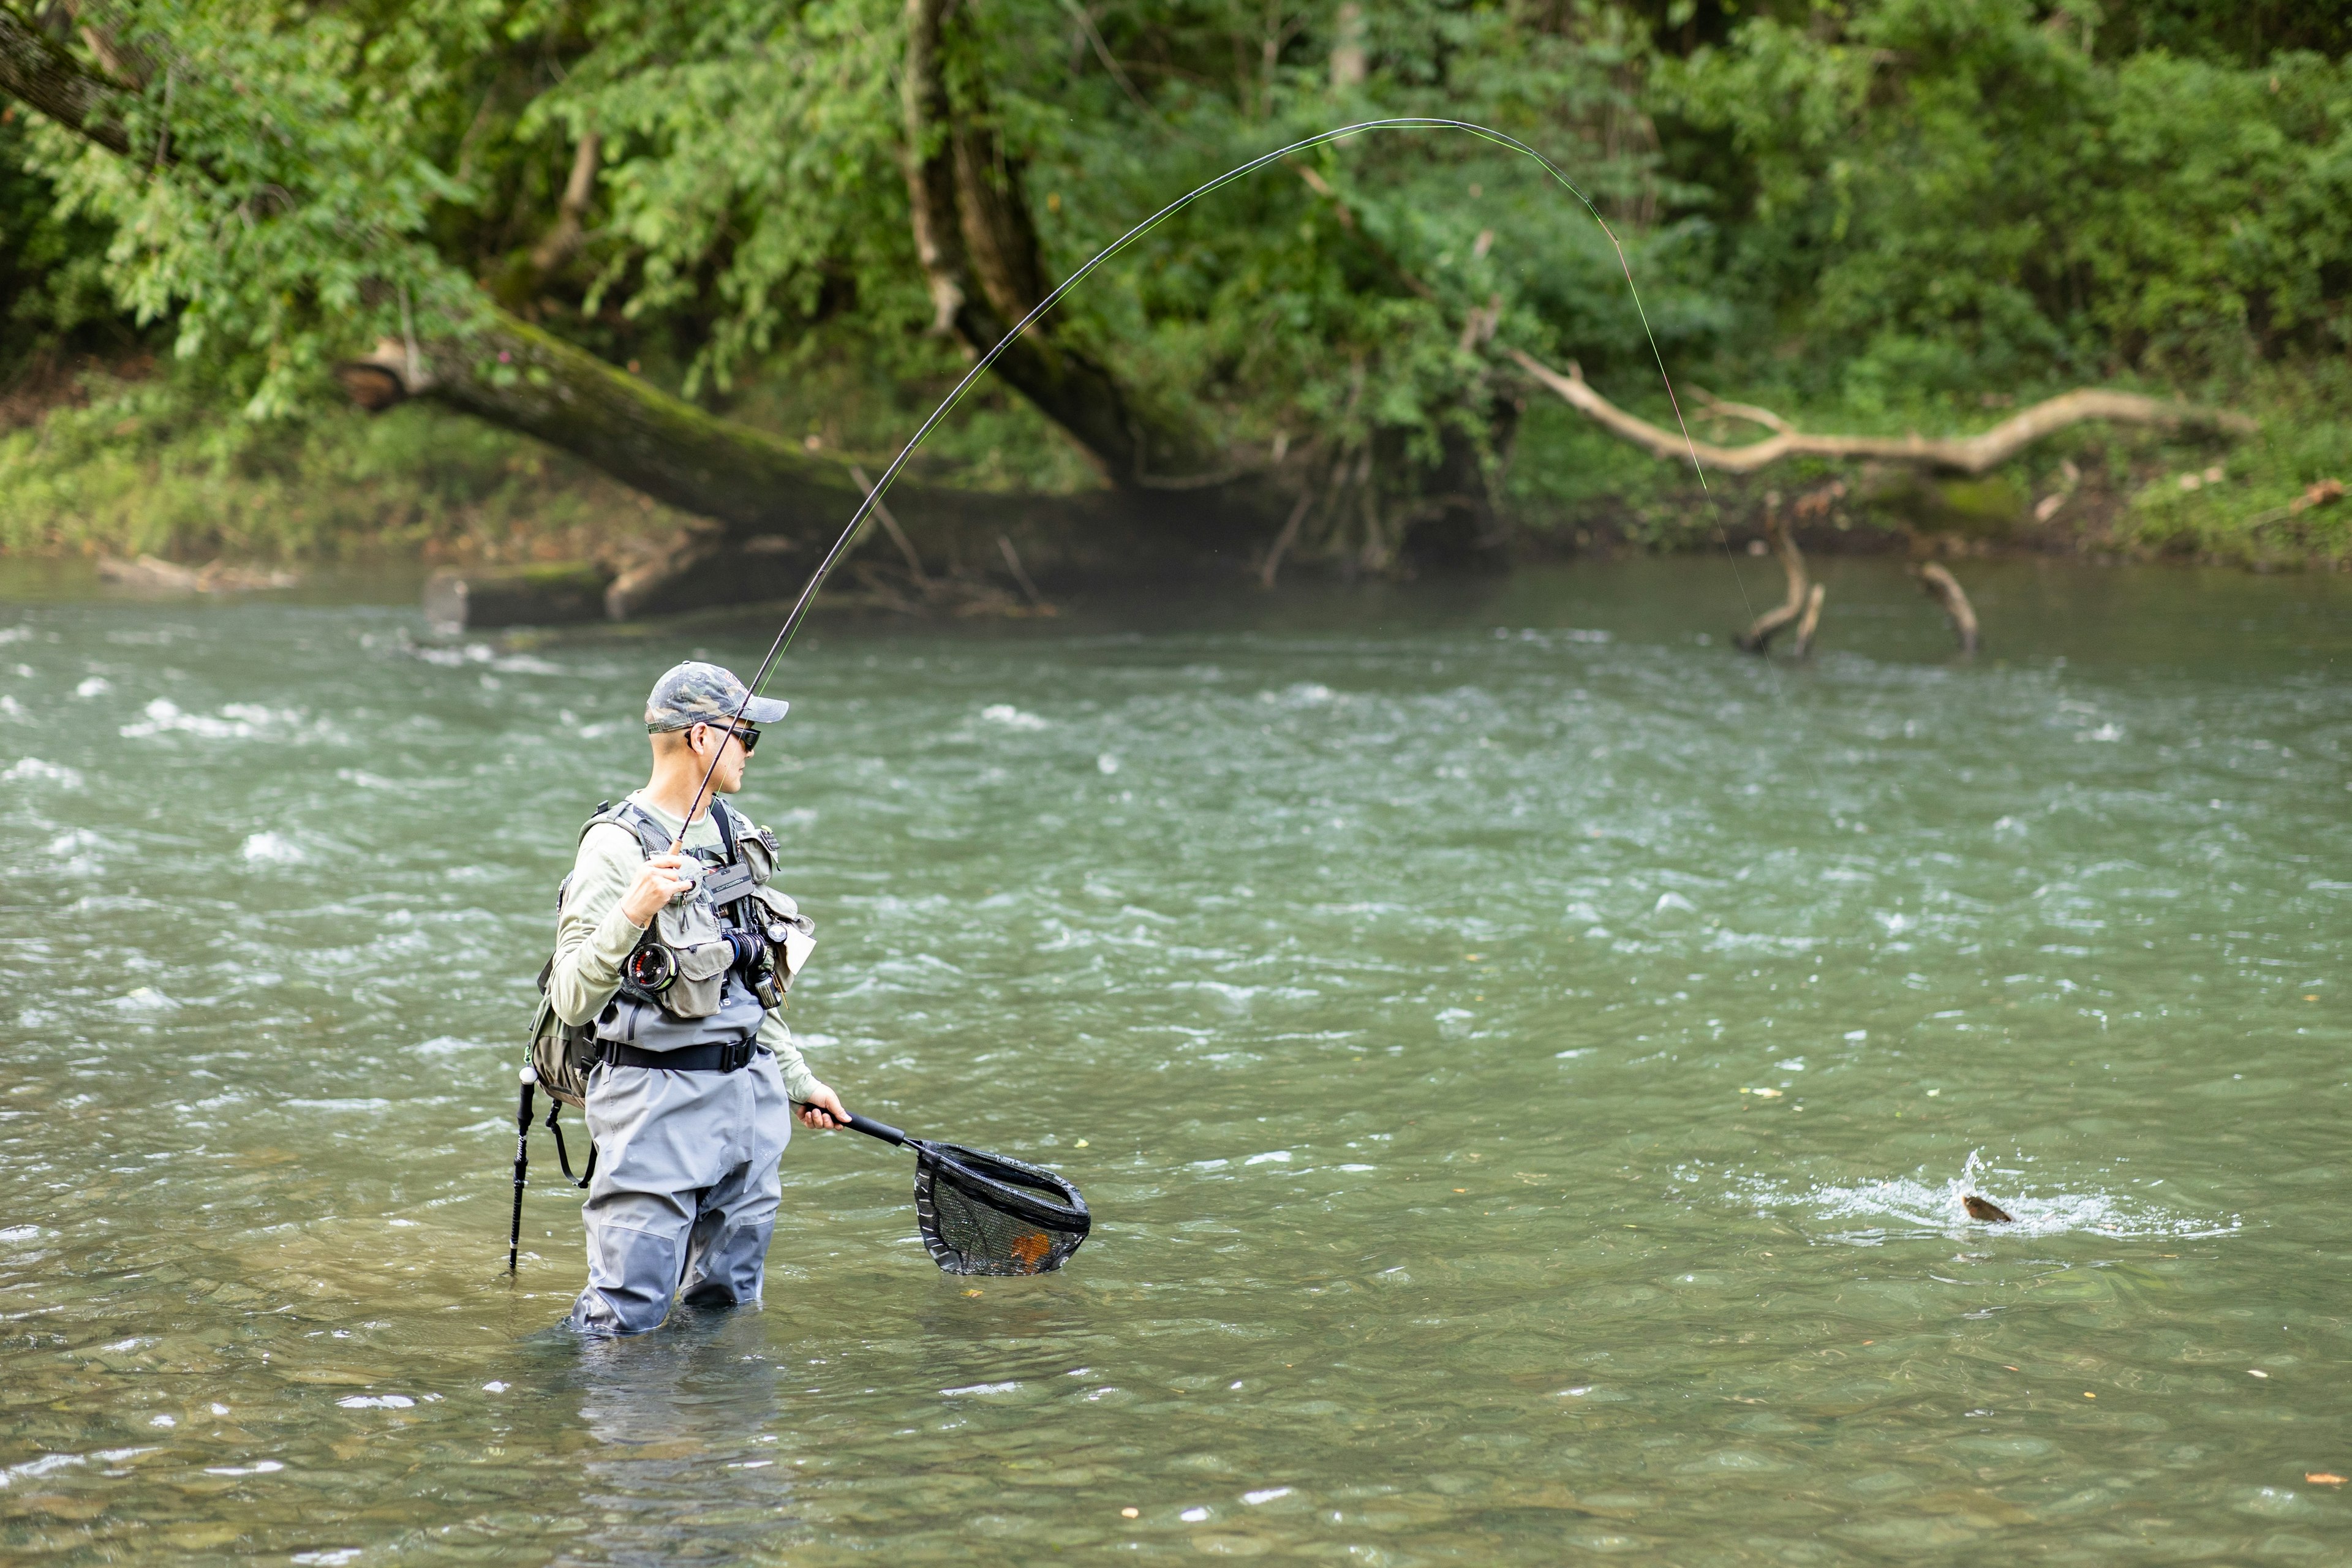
x=1527 y=1062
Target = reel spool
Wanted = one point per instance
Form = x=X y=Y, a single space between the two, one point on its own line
x=652 y=968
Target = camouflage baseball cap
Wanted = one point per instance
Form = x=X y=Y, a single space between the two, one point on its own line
x=690 y=693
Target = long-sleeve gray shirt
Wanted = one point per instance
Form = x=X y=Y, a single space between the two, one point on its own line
x=594 y=938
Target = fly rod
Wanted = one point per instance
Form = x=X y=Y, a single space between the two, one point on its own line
x=873 y=498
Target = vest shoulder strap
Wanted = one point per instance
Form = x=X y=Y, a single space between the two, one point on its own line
x=653 y=838
x=628 y=813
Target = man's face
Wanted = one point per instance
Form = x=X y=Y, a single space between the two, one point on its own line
x=733 y=756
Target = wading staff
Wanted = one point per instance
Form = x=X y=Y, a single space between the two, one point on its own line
x=522 y=1164
x=874 y=494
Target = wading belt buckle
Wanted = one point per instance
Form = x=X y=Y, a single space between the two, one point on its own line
x=735 y=1056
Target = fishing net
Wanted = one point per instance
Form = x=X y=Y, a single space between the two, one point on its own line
x=983 y=1214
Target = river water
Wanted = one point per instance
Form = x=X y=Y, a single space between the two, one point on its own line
x=1524 y=1058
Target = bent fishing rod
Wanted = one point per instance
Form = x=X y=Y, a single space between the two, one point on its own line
x=873 y=498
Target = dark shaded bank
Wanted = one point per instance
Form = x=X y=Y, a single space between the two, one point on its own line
x=1013 y=559
x=117 y=465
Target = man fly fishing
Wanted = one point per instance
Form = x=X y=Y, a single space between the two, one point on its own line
x=661 y=978
x=671 y=953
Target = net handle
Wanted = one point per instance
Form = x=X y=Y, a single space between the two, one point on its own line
x=866 y=1124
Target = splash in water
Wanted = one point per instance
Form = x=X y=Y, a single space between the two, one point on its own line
x=1904 y=1207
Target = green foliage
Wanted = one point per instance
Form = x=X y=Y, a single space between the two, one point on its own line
x=1868 y=214
x=281 y=214
x=2246 y=516
x=53 y=289
x=2237 y=32
x=751 y=169
x=1342 y=315
x=1955 y=195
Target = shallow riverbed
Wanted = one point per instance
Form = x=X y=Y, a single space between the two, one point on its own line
x=1525 y=1060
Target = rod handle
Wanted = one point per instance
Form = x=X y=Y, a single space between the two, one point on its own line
x=866 y=1124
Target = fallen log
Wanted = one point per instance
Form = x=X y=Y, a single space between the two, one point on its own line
x=706 y=570
x=517 y=596
x=516 y=375
x=214 y=577
x=1965 y=455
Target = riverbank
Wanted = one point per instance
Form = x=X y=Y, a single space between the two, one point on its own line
x=113 y=466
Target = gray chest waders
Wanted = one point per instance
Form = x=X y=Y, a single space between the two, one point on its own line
x=756 y=927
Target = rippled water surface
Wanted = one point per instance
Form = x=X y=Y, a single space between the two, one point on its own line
x=1525 y=1057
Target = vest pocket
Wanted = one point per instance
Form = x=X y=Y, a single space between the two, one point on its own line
x=701 y=980
x=689 y=929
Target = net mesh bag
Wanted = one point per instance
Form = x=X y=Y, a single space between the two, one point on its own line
x=983 y=1214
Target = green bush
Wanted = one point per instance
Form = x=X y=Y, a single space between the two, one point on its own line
x=156 y=466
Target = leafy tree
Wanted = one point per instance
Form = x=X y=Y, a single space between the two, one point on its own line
x=501 y=203
x=1959 y=194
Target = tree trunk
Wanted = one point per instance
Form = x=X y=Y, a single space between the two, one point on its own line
x=44 y=73
x=978 y=251
x=517 y=377
x=776 y=506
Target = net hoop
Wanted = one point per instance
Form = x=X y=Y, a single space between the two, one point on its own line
x=1009 y=1187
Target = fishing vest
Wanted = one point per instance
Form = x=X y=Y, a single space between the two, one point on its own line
x=697 y=976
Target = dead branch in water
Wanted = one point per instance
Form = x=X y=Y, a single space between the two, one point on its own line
x=1945 y=589
x=1812 y=621
x=1969 y=454
x=1804 y=595
x=1020 y=575
x=1283 y=541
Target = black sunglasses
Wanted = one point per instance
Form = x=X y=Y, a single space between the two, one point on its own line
x=749 y=736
